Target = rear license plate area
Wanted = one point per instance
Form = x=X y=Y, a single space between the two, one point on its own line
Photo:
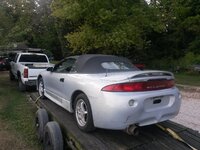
x=154 y=103
x=157 y=101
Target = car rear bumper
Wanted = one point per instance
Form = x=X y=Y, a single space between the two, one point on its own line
x=119 y=110
x=30 y=83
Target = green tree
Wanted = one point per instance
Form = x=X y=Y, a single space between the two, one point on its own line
x=29 y=22
x=106 y=26
x=182 y=34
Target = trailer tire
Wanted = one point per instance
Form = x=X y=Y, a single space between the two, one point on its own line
x=12 y=77
x=21 y=86
x=83 y=113
x=41 y=120
x=53 y=139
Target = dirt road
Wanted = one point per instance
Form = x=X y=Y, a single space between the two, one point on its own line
x=189 y=114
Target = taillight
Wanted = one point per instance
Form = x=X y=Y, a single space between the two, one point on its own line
x=139 y=86
x=26 y=73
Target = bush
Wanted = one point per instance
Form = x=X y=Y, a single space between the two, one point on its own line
x=183 y=64
x=164 y=64
x=189 y=59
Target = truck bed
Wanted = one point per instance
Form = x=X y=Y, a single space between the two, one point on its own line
x=150 y=137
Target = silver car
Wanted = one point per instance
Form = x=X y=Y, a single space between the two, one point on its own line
x=108 y=92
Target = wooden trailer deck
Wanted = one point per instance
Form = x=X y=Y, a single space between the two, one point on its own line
x=150 y=137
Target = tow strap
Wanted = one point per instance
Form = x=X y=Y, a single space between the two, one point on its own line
x=37 y=99
x=175 y=135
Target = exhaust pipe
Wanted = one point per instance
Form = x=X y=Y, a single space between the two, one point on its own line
x=132 y=130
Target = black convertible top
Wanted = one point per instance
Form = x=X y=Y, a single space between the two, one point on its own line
x=92 y=63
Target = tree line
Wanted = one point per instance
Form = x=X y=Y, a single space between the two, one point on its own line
x=159 y=33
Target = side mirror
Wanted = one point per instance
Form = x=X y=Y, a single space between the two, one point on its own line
x=50 y=69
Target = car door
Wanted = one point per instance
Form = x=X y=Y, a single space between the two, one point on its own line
x=14 y=65
x=56 y=79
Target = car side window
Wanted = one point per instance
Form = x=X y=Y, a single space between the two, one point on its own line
x=65 y=66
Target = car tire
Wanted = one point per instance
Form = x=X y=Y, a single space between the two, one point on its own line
x=83 y=113
x=21 y=86
x=53 y=139
x=41 y=120
x=41 y=88
x=12 y=77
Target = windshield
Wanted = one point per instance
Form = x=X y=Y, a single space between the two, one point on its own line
x=33 y=58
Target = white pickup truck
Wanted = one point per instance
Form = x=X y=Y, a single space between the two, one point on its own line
x=26 y=67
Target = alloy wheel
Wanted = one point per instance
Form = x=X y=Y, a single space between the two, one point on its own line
x=81 y=112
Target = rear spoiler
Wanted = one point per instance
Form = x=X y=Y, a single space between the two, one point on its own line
x=151 y=75
x=154 y=73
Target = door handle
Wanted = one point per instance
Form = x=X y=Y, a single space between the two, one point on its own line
x=62 y=79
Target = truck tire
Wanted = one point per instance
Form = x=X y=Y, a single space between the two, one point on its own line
x=83 y=113
x=53 y=139
x=41 y=88
x=21 y=86
x=40 y=121
x=12 y=77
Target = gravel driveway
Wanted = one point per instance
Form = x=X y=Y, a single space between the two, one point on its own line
x=189 y=114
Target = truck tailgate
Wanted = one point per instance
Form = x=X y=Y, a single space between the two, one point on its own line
x=34 y=72
x=35 y=68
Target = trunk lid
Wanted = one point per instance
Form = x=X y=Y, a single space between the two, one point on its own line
x=138 y=81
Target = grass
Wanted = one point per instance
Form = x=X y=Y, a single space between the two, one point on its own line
x=192 y=79
x=17 y=113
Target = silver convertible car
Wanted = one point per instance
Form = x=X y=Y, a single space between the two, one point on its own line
x=108 y=92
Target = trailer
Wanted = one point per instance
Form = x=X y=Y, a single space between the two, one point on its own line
x=163 y=136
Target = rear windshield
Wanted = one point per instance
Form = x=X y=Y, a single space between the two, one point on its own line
x=33 y=58
x=118 y=66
